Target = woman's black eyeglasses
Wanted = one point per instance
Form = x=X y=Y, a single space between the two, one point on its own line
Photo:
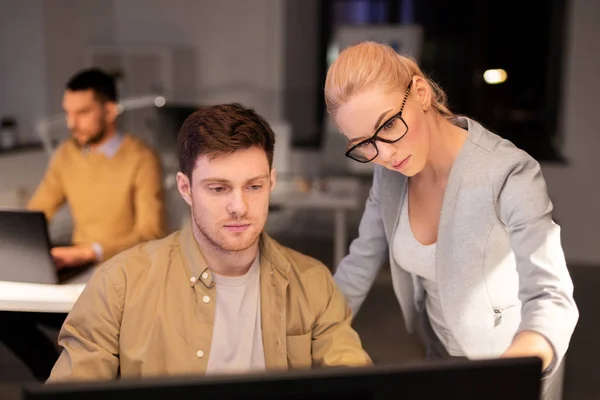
x=392 y=130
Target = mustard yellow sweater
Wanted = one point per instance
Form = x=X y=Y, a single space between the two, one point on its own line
x=116 y=202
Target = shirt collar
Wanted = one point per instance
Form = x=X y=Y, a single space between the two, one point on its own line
x=196 y=266
x=110 y=147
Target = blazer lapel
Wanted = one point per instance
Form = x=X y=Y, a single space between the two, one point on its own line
x=444 y=250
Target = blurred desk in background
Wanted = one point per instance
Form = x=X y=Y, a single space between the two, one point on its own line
x=36 y=297
x=340 y=196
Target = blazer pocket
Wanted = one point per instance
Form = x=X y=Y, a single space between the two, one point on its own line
x=299 y=350
x=501 y=311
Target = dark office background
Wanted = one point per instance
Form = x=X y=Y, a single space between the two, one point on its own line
x=272 y=55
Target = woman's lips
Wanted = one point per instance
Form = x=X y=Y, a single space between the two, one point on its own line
x=401 y=164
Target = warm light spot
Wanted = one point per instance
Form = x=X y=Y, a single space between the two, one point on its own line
x=495 y=76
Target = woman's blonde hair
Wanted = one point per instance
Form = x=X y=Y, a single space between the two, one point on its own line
x=368 y=64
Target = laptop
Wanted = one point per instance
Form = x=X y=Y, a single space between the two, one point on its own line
x=497 y=379
x=25 y=250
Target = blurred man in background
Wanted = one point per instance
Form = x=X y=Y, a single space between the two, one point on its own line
x=112 y=183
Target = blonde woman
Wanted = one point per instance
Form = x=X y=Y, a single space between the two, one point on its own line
x=462 y=215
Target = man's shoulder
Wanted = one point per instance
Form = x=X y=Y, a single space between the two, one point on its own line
x=64 y=149
x=143 y=257
x=298 y=264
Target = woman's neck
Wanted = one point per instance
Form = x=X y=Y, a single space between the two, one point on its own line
x=445 y=142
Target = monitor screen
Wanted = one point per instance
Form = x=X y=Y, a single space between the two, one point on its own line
x=514 y=379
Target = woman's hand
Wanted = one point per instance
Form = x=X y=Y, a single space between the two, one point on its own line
x=531 y=344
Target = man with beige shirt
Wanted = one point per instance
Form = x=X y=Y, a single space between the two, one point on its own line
x=219 y=296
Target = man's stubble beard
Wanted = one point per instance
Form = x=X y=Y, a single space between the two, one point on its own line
x=93 y=140
x=222 y=246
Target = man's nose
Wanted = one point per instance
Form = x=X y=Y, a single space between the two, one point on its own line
x=238 y=205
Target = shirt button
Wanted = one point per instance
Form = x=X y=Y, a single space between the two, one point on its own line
x=200 y=353
x=204 y=275
x=206 y=299
x=193 y=279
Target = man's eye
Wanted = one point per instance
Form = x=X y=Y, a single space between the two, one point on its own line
x=217 y=189
x=255 y=187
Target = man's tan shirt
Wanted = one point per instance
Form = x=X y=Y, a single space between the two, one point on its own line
x=150 y=311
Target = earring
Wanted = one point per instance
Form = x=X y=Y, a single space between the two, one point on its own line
x=425 y=107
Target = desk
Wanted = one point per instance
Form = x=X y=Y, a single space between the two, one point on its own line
x=338 y=202
x=36 y=297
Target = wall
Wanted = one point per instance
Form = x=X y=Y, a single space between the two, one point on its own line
x=302 y=58
x=237 y=48
x=22 y=60
x=41 y=46
x=237 y=44
x=575 y=188
x=69 y=26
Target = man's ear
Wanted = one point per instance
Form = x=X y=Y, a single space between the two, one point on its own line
x=112 y=111
x=185 y=187
x=273 y=178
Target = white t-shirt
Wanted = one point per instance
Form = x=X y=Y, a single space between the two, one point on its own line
x=419 y=260
x=237 y=345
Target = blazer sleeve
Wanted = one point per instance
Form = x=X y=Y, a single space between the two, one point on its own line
x=545 y=286
x=357 y=271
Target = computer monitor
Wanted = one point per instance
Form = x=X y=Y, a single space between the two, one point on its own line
x=25 y=250
x=499 y=379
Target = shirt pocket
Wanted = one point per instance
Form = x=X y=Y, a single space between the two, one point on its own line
x=299 y=350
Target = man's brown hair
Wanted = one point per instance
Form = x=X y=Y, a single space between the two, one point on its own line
x=222 y=129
